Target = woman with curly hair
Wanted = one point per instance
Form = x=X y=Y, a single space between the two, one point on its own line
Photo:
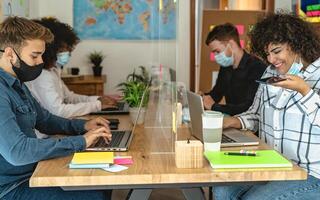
x=49 y=89
x=287 y=113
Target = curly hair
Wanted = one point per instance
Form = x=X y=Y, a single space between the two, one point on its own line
x=284 y=28
x=63 y=35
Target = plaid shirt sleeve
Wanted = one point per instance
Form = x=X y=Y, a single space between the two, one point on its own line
x=310 y=104
x=287 y=121
x=250 y=119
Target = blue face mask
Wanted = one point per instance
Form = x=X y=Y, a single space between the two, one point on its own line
x=63 y=58
x=295 y=68
x=223 y=60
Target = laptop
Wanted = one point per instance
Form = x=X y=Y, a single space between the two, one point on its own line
x=230 y=137
x=121 y=140
x=121 y=108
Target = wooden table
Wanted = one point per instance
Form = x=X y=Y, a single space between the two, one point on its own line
x=86 y=84
x=152 y=169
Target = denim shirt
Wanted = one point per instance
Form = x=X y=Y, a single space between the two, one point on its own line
x=20 y=149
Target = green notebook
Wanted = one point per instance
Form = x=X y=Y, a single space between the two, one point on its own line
x=264 y=158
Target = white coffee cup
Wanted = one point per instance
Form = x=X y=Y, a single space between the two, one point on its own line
x=212 y=130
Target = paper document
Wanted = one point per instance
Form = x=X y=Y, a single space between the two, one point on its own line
x=115 y=168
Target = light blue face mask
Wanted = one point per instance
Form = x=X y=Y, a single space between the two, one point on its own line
x=223 y=60
x=295 y=68
x=63 y=58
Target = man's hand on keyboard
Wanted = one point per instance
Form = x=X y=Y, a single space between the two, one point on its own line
x=207 y=102
x=93 y=136
x=96 y=123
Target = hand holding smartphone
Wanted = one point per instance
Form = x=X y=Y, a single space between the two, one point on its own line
x=270 y=80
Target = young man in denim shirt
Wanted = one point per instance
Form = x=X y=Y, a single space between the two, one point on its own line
x=22 y=43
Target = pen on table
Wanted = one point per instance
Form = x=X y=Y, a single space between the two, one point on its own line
x=240 y=153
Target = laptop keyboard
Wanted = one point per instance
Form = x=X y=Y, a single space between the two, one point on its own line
x=115 y=142
x=226 y=139
x=110 y=109
x=120 y=105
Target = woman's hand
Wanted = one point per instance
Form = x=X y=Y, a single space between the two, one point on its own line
x=295 y=83
x=231 y=122
x=106 y=100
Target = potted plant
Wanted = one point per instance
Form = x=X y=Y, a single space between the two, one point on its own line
x=96 y=58
x=133 y=88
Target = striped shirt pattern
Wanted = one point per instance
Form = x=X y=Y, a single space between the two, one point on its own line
x=287 y=121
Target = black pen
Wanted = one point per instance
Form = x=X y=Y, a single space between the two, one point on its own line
x=240 y=153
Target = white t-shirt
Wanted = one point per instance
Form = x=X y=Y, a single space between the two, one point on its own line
x=53 y=95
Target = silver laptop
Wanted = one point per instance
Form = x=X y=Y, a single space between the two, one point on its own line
x=120 y=109
x=121 y=140
x=230 y=137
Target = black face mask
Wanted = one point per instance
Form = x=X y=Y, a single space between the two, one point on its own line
x=26 y=72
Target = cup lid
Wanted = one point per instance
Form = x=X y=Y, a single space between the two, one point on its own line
x=212 y=113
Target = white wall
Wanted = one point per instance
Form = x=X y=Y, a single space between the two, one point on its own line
x=244 y=5
x=122 y=56
x=283 y=4
x=1 y=14
x=183 y=43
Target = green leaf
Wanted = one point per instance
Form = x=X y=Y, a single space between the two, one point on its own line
x=134 y=86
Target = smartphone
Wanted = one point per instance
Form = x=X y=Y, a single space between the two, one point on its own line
x=114 y=123
x=113 y=120
x=270 y=80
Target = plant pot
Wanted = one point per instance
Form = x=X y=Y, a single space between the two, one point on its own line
x=134 y=112
x=75 y=70
x=97 y=70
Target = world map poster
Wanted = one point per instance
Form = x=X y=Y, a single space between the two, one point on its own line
x=125 y=19
x=15 y=7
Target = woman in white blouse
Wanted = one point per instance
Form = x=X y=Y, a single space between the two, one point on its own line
x=286 y=113
x=49 y=89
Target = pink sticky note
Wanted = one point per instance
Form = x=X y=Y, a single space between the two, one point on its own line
x=123 y=161
x=240 y=29
x=211 y=56
x=315 y=13
x=242 y=43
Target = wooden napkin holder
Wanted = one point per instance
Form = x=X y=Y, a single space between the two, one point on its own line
x=189 y=154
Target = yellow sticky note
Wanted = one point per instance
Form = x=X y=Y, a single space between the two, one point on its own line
x=92 y=158
x=174 y=122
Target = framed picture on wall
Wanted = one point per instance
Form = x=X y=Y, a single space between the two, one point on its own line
x=125 y=19
x=15 y=7
x=309 y=9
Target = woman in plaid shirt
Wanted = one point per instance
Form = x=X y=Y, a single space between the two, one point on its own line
x=286 y=113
